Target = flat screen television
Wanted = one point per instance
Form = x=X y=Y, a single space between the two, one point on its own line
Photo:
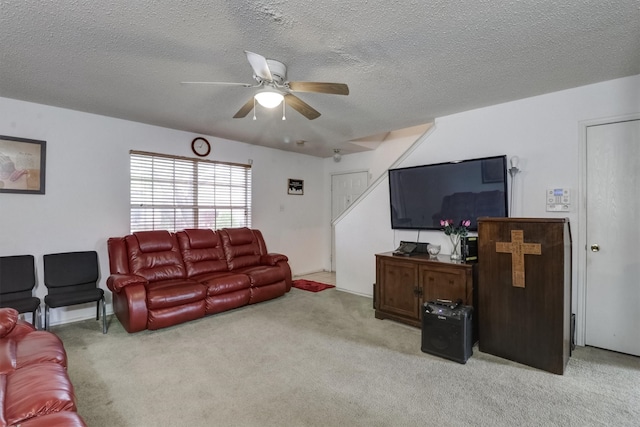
x=421 y=196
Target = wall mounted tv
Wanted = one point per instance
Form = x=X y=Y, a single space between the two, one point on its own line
x=423 y=195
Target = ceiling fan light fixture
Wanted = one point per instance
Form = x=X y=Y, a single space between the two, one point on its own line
x=269 y=98
x=337 y=156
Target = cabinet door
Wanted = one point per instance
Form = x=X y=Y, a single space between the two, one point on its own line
x=398 y=284
x=445 y=283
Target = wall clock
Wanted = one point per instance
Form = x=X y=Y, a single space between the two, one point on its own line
x=200 y=147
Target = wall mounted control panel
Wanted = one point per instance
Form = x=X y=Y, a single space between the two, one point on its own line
x=558 y=200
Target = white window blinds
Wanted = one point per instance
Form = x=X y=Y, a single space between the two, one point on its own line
x=174 y=193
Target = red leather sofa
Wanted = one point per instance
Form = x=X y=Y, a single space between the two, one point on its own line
x=160 y=279
x=35 y=389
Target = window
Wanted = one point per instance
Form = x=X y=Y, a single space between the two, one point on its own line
x=173 y=193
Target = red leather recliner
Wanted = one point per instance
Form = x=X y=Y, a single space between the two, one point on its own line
x=35 y=389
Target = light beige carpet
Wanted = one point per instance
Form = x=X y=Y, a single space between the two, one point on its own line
x=322 y=359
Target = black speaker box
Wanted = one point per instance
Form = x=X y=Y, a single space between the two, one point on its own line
x=447 y=330
x=469 y=249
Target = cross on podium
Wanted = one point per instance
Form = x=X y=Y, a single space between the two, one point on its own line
x=518 y=249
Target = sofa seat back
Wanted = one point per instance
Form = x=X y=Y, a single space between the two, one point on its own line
x=21 y=345
x=155 y=255
x=37 y=347
x=202 y=251
x=241 y=248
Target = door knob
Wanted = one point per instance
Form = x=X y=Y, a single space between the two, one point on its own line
x=595 y=247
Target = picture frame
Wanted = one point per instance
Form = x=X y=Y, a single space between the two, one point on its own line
x=492 y=171
x=295 y=187
x=22 y=165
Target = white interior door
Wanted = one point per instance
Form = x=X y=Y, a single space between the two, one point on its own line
x=612 y=317
x=345 y=189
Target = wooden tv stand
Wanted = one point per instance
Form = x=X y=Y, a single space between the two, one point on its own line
x=404 y=284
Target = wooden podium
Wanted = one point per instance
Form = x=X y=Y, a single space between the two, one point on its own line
x=524 y=290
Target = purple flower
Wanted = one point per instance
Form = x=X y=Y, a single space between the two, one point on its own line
x=466 y=223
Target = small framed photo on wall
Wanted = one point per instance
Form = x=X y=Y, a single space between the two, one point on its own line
x=22 y=164
x=295 y=187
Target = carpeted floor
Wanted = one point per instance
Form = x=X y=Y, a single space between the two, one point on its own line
x=322 y=359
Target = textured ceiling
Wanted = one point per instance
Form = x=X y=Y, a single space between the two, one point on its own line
x=406 y=62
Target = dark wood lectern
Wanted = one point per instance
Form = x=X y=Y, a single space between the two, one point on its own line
x=524 y=290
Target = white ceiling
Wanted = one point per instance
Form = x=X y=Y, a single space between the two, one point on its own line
x=406 y=62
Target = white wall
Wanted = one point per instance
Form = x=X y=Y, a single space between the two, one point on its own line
x=543 y=131
x=375 y=162
x=87 y=189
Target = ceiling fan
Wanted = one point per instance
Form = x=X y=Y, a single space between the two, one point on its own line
x=271 y=78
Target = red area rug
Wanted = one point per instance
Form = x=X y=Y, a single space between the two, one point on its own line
x=310 y=285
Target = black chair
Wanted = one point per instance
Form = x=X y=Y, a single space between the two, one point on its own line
x=17 y=280
x=72 y=278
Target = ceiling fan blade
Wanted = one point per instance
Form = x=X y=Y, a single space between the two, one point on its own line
x=319 y=87
x=245 y=109
x=216 y=83
x=301 y=107
x=259 y=65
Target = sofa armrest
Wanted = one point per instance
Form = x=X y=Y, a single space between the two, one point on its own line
x=272 y=259
x=62 y=418
x=8 y=320
x=116 y=282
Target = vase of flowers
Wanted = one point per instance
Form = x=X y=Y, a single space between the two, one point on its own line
x=455 y=233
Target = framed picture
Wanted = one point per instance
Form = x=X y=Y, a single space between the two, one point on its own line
x=492 y=171
x=296 y=187
x=22 y=165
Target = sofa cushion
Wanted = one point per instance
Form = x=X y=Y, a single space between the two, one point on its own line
x=39 y=347
x=30 y=348
x=221 y=283
x=264 y=293
x=227 y=301
x=8 y=319
x=171 y=293
x=263 y=275
x=37 y=390
x=169 y=316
